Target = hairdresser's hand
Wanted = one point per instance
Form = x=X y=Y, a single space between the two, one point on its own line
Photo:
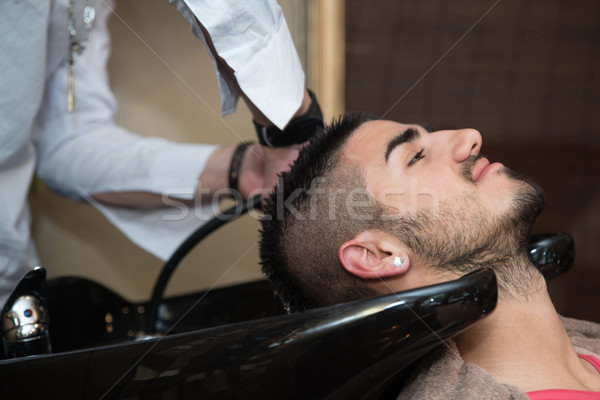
x=277 y=161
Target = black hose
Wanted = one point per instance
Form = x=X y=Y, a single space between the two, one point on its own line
x=185 y=247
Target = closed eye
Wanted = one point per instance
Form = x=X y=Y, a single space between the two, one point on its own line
x=420 y=155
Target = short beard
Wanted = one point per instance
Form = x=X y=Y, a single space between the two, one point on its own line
x=466 y=238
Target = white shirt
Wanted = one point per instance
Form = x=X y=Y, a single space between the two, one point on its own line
x=253 y=38
x=84 y=152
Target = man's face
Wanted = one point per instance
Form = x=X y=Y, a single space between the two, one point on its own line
x=411 y=169
x=469 y=211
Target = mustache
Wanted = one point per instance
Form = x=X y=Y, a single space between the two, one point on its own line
x=468 y=164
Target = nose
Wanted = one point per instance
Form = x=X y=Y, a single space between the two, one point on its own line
x=465 y=142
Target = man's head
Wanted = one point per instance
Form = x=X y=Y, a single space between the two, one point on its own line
x=367 y=192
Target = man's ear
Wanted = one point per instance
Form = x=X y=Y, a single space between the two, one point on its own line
x=374 y=254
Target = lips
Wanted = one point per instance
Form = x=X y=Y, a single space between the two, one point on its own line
x=480 y=166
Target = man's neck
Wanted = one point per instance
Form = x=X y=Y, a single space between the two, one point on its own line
x=524 y=343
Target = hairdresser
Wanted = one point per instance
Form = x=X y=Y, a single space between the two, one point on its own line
x=57 y=121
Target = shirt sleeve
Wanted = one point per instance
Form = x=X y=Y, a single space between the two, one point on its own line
x=85 y=152
x=253 y=38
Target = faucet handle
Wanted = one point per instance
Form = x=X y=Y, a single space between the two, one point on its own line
x=25 y=318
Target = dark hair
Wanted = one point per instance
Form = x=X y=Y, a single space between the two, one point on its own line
x=303 y=229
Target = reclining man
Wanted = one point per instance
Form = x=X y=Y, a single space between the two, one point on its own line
x=373 y=207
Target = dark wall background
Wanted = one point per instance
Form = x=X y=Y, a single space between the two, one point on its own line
x=525 y=73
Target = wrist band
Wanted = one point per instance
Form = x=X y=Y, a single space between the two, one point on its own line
x=298 y=131
x=236 y=163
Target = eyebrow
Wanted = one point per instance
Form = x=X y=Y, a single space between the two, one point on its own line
x=409 y=135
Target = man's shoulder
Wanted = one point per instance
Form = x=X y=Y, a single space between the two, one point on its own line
x=443 y=374
x=583 y=334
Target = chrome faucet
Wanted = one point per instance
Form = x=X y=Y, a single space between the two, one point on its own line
x=25 y=320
